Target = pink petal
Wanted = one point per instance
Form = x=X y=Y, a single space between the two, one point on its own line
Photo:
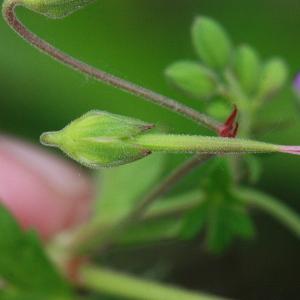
x=43 y=191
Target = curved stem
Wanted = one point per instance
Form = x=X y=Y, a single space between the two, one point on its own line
x=272 y=206
x=168 y=183
x=34 y=40
x=85 y=240
x=113 y=283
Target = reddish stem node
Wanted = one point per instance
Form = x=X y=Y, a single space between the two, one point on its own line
x=230 y=127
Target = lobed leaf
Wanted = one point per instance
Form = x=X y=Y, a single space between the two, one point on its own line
x=223 y=215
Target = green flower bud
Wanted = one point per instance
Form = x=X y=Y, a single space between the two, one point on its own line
x=192 y=78
x=99 y=139
x=247 y=68
x=274 y=76
x=211 y=42
x=55 y=9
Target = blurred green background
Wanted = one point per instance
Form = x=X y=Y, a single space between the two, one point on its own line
x=137 y=39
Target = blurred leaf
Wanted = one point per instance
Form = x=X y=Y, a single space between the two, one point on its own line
x=211 y=42
x=121 y=187
x=282 y=123
x=225 y=222
x=247 y=68
x=163 y=221
x=30 y=296
x=220 y=177
x=196 y=178
x=194 y=222
x=254 y=168
x=273 y=77
x=175 y=205
x=23 y=263
x=219 y=110
x=152 y=231
x=193 y=79
x=222 y=213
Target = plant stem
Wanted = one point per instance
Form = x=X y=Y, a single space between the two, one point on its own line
x=168 y=183
x=117 y=284
x=272 y=206
x=88 y=238
x=34 y=40
x=173 y=207
x=202 y=144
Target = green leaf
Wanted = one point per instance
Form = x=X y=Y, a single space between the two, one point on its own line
x=226 y=220
x=194 y=222
x=179 y=203
x=221 y=212
x=122 y=187
x=273 y=78
x=211 y=42
x=55 y=9
x=152 y=231
x=253 y=167
x=219 y=109
x=17 y=295
x=193 y=79
x=220 y=177
x=247 y=68
x=164 y=219
x=23 y=263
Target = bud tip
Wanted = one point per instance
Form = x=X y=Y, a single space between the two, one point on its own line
x=51 y=138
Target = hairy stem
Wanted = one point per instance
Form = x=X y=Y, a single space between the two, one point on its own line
x=34 y=40
x=117 y=284
x=203 y=144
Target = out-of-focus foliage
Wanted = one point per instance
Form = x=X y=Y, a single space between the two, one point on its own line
x=242 y=80
x=121 y=188
x=24 y=265
x=137 y=40
x=224 y=214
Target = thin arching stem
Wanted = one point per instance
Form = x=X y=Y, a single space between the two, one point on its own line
x=173 y=105
x=168 y=183
x=86 y=241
